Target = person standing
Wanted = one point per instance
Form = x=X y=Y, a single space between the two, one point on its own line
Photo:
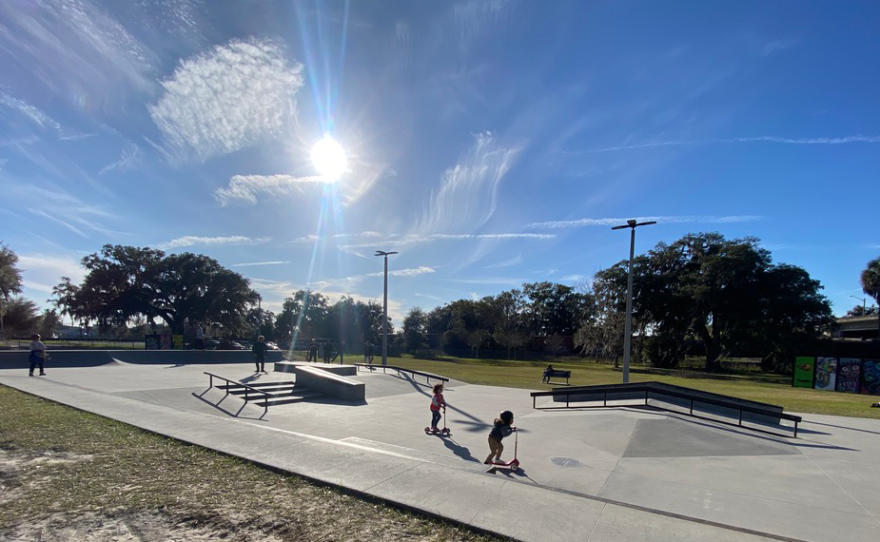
x=259 y=350
x=313 y=351
x=200 y=337
x=328 y=349
x=37 y=355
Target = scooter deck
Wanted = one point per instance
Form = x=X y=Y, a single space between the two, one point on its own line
x=442 y=432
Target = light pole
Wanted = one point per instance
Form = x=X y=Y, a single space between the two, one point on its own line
x=627 y=338
x=864 y=302
x=385 y=309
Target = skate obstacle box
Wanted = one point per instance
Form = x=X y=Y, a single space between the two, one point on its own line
x=334 y=385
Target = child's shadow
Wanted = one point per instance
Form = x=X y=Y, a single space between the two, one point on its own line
x=459 y=450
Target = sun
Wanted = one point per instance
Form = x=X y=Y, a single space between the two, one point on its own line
x=329 y=159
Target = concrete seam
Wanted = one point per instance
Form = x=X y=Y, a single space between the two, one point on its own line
x=848 y=494
x=598 y=519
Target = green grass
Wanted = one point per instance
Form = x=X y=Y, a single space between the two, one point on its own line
x=763 y=387
x=58 y=464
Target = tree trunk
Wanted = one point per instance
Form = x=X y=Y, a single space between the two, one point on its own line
x=712 y=345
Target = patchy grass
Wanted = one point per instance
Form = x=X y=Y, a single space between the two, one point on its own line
x=764 y=387
x=65 y=474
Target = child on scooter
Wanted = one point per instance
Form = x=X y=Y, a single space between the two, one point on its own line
x=437 y=402
x=503 y=428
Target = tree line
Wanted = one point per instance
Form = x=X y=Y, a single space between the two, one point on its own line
x=700 y=295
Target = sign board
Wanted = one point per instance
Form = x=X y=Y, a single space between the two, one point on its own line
x=803 y=371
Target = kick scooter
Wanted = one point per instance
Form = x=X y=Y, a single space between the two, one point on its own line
x=513 y=464
x=445 y=432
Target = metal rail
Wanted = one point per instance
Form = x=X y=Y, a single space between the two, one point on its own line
x=658 y=393
x=428 y=376
x=247 y=389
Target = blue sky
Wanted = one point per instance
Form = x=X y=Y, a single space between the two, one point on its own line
x=491 y=142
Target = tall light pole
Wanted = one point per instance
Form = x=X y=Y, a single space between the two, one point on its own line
x=627 y=338
x=385 y=309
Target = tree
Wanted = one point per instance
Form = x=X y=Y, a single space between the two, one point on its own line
x=554 y=309
x=125 y=282
x=861 y=310
x=49 y=323
x=415 y=326
x=870 y=280
x=727 y=296
x=10 y=279
x=22 y=317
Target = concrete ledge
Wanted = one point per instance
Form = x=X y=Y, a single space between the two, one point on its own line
x=290 y=367
x=328 y=383
x=18 y=359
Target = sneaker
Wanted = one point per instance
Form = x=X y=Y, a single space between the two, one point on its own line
x=42 y=374
x=30 y=374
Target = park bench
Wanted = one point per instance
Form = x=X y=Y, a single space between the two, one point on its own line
x=556 y=373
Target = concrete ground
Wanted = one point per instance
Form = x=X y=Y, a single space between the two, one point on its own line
x=587 y=475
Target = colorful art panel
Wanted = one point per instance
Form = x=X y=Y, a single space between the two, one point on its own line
x=871 y=379
x=151 y=342
x=803 y=371
x=849 y=375
x=826 y=373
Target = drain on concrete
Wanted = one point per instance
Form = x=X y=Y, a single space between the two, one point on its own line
x=568 y=462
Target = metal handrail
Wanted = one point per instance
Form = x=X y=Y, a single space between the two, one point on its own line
x=428 y=376
x=247 y=388
x=568 y=392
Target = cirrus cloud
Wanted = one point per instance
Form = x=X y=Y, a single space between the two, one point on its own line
x=230 y=98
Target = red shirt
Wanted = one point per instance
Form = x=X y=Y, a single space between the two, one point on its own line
x=437 y=401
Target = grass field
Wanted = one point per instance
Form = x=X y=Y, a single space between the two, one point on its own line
x=763 y=387
x=69 y=475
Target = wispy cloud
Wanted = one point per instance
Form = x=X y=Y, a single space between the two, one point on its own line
x=501 y=281
x=246 y=188
x=191 y=240
x=844 y=140
x=572 y=278
x=74 y=49
x=473 y=17
x=30 y=112
x=42 y=271
x=347 y=283
x=254 y=264
x=705 y=219
x=506 y=263
x=304 y=239
x=404 y=272
x=429 y=296
x=397 y=240
x=130 y=158
x=468 y=192
x=230 y=98
x=63 y=208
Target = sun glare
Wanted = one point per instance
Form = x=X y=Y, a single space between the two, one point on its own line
x=329 y=159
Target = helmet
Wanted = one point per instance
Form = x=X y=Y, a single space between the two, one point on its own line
x=507 y=417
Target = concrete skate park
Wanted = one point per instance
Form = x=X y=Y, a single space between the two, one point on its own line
x=618 y=473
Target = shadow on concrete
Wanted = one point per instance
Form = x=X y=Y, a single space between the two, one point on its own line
x=459 y=450
x=841 y=427
x=236 y=414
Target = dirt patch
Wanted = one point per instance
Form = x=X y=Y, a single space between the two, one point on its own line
x=140 y=527
x=69 y=475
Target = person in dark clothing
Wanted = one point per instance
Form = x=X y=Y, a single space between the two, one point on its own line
x=328 y=349
x=547 y=372
x=259 y=350
x=313 y=351
x=368 y=352
x=503 y=427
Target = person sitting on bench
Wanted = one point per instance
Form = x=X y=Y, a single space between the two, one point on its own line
x=547 y=372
